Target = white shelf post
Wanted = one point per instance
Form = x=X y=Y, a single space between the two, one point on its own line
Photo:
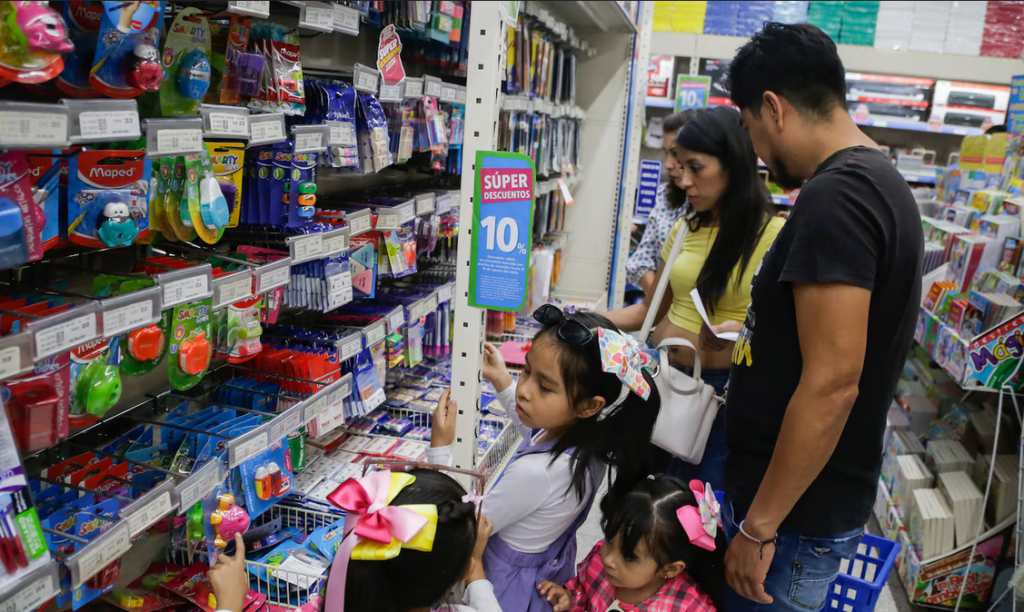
x=486 y=64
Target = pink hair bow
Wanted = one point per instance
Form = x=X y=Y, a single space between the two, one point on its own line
x=473 y=498
x=701 y=523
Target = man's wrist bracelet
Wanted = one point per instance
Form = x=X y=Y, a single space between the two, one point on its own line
x=762 y=543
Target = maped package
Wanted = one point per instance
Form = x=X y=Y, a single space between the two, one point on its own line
x=20 y=218
x=31 y=42
x=44 y=171
x=83 y=20
x=108 y=198
x=283 y=89
x=127 y=59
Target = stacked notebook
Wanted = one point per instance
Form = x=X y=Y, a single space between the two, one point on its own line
x=931 y=524
x=966 y=500
x=911 y=474
x=983 y=425
x=1002 y=501
x=949 y=456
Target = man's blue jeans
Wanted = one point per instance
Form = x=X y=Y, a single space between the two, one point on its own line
x=802 y=569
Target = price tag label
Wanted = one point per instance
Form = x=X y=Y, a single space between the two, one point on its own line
x=424 y=205
x=308 y=141
x=346 y=19
x=151 y=512
x=102 y=552
x=445 y=293
x=460 y=95
x=880 y=124
x=31 y=596
x=360 y=225
x=97 y=124
x=248 y=7
x=335 y=244
x=413 y=88
x=406 y=212
x=341 y=134
x=169 y=142
x=307 y=248
x=331 y=418
x=66 y=335
x=318 y=17
x=337 y=398
x=443 y=203
x=315 y=407
x=286 y=423
x=186 y=290
x=350 y=348
x=366 y=80
x=432 y=88
x=274 y=279
x=396 y=320
x=448 y=93
x=248 y=447
x=265 y=131
x=235 y=291
x=198 y=485
x=390 y=93
x=388 y=221
x=374 y=334
x=32 y=129
x=229 y=123
x=563 y=187
x=126 y=318
x=10 y=362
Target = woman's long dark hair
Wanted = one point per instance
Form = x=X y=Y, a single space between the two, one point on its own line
x=744 y=208
x=416 y=579
x=647 y=515
x=622 y=439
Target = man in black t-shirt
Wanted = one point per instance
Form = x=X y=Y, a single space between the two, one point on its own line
x=832 y=314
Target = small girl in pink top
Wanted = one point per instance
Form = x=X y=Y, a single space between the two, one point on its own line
x=662 y=552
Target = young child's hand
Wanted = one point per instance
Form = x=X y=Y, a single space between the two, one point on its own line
x=442 y=432
x=559 y=598
x=229 y=580
x=495 y=370
x=476 y=563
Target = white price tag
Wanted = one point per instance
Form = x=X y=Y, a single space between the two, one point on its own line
x=169 y=142
x=341 y=135
x=97 y=124
x=274 y=279
x=264 y=131
x=10 y=362
x=250 y=7
x=31 y=596
x=319 y=17
x=563 y=187
x=154 y=510
x=309 y=247
x=390 y=93
x=186 y=290
x=447 y=93
x=388 y=221
x=309 y=141
x=445 y=293
x=350 y=348
x=460 y=95
x=19 y=128
x=396 y=320
x=332 y=416
x=360 y=225
x=126 y=318
x=286 y=423
x=96 y=556
x=424 y=206
x=198 y=486
x=66 y=335
x=374 y=335
x=229 y=123
x=335 y=245
x=251 y=447
x=339 y=395
x=346 y=19
x=235 y=292
x=880 y=124
x=413 y=88
x=432 y=88
x=366 y=80
x=314 y=408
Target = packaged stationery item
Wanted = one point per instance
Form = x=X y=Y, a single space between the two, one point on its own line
x=108 y=198
x=186 y=61
x=126 y=62
x=21 y=220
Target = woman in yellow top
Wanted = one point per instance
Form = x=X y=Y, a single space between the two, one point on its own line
x=731 y=226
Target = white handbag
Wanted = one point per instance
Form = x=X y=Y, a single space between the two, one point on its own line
x=688 y=404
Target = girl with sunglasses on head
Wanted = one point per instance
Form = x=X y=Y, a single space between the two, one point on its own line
x=584 y=386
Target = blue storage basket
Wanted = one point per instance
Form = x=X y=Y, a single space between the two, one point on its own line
x=859 y=583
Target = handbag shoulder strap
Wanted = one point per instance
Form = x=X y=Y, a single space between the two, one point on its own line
x=659 y=293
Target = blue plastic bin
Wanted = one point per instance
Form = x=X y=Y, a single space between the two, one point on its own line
x=859 y=583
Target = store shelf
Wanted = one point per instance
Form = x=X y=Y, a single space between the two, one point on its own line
x=916 y=126
x=661 y=103
x=927 y=178
x=856 y=58
x=607 y=17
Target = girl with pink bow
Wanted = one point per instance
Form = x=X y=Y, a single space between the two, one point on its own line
x=662 y=552
x=586 y=392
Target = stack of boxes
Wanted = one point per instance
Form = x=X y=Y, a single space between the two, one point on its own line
x=685 y=17
x=859 y=18
x=828 y=16
x=1004 y=29
x=894 y=25
x=790 y=12
x=966 y=28
x=931 y=20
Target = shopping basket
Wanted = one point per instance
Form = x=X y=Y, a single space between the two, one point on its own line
x=859 y=582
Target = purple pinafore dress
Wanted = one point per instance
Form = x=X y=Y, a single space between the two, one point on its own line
x=515 y=575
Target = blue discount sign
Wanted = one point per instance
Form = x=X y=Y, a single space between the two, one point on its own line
x=692 y=92
x=502 y=228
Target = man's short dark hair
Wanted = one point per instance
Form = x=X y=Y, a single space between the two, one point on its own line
x=798 y=62
x=676 y=121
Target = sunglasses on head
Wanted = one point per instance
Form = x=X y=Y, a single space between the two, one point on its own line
x=569 y=330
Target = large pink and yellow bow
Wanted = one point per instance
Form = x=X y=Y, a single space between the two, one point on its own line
x=374 y=530
x=621 y=355
x=701 y=523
